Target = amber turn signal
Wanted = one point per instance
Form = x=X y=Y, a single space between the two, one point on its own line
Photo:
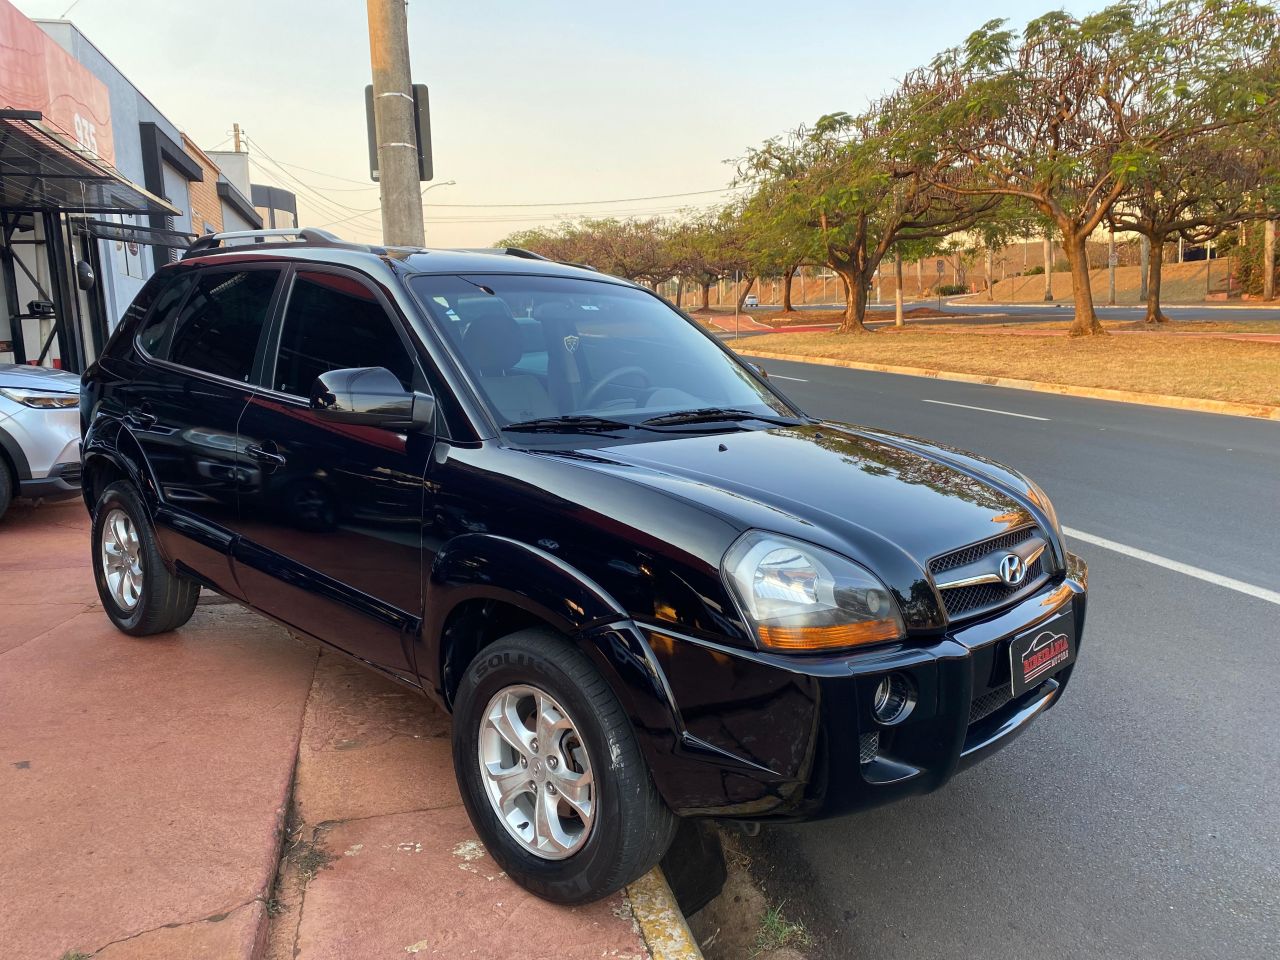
x=829 y=638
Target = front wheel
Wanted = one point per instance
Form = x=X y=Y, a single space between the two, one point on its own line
x=138 y=593
x=551 y=773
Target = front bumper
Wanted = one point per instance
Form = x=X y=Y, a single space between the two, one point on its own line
x=769 y=737
x=62 y=483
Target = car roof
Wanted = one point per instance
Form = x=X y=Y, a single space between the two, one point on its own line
x=404 y=260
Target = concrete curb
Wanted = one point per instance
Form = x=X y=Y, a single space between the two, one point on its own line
x=1258 y=411
x=661 y=923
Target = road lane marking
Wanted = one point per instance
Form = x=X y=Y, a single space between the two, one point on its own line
x=1007 y=413
x=1262 y=593
x=778 y=376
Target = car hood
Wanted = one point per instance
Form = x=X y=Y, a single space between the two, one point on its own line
x=869 y=494
x=38 y=378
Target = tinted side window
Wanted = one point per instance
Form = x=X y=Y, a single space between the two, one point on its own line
x=333 y=322
x=154 y=335
x=218 y=328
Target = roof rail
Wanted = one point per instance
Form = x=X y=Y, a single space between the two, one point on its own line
x=524 y=255
x=504 y=252
x=310 y=236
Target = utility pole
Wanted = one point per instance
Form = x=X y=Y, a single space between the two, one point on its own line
x=235 y=134
x=1144 y=260
x=1048 y=268
x=1269 y=260
x=1111 y=268
x=897 y=291
x=393 y=114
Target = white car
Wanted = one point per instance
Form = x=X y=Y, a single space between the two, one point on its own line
x=39 y=434
x=751 y=301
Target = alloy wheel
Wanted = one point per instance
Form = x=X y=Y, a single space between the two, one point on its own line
x=536 y=772
x=121 y=557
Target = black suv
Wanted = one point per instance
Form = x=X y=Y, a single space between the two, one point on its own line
x=646 y=585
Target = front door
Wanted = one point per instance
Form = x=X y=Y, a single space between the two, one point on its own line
x=331 y=515
x=199 y=346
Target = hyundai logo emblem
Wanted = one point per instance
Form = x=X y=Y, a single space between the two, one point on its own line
x=1012 y=570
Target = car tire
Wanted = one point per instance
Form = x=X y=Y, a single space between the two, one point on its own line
x=6 y=487
x=139 y=593
x=630 y=826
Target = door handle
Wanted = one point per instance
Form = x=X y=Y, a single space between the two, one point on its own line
x=260 y=453
x=142 y=419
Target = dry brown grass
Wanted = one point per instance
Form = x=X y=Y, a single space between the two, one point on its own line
x=1246 y=372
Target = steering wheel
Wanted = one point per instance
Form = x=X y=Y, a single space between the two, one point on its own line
x=589 y=399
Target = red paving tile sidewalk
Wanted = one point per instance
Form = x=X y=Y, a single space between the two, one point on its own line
x=144 y=786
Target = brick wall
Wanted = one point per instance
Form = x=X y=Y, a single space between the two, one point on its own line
x=206 y=206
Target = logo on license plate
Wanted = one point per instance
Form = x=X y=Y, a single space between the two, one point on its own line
x=1047 y=651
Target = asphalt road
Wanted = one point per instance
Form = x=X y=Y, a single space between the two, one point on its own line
x=1041 y=312
x=1141 y=816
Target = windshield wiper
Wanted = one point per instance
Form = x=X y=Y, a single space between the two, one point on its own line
x=713 y=415
x=570 y=423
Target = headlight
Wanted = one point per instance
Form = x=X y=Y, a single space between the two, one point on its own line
x=801 y=597
x=41 y=399
x=1041 y=500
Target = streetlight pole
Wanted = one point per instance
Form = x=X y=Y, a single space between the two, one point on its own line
x=427 y=189
x=393 y=114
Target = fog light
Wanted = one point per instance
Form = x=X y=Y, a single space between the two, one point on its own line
x=893 y=699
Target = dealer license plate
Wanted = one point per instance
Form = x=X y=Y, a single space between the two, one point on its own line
x=1041 y=652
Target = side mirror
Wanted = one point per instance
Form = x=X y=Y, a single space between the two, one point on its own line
x=371 y=397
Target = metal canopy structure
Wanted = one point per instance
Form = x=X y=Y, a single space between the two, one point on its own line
x=132 y=233
x=41 y=169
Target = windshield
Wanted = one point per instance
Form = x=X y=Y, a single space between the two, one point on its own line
x=566 y=355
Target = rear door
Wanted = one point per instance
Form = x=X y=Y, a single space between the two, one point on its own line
x=200 y=348
x=331 y=514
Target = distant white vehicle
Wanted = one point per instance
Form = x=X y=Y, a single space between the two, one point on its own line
x=751 y=301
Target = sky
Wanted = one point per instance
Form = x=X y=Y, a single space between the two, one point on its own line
x=545 y=105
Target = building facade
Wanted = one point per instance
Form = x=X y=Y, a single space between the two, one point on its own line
x=98 y=189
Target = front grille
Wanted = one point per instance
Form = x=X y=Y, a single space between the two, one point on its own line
x=976 y=551
x=987 y=704
x=963 y=601
x=868 y=747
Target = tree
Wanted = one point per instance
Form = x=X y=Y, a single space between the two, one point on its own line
x=1195 y=191
x=1065 y=112
x=637 y=250
x=839 y=190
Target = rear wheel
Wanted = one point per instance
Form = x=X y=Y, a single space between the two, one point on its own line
x=6 y=487
x=551 y=773
x=138 y=592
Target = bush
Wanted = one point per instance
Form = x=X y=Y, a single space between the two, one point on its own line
x=1033 y=271
x=952 y=289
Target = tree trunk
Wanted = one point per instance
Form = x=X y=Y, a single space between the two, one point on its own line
x=991 y=280
x=679 y=291
x=1155 y=268
x=745 y=290
x=1086 y=321
x=855 y=300
x=897 y=293
x=920 y=278
x=706 y=296
x=787 y=277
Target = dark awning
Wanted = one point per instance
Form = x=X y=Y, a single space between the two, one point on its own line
x=41 y=169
